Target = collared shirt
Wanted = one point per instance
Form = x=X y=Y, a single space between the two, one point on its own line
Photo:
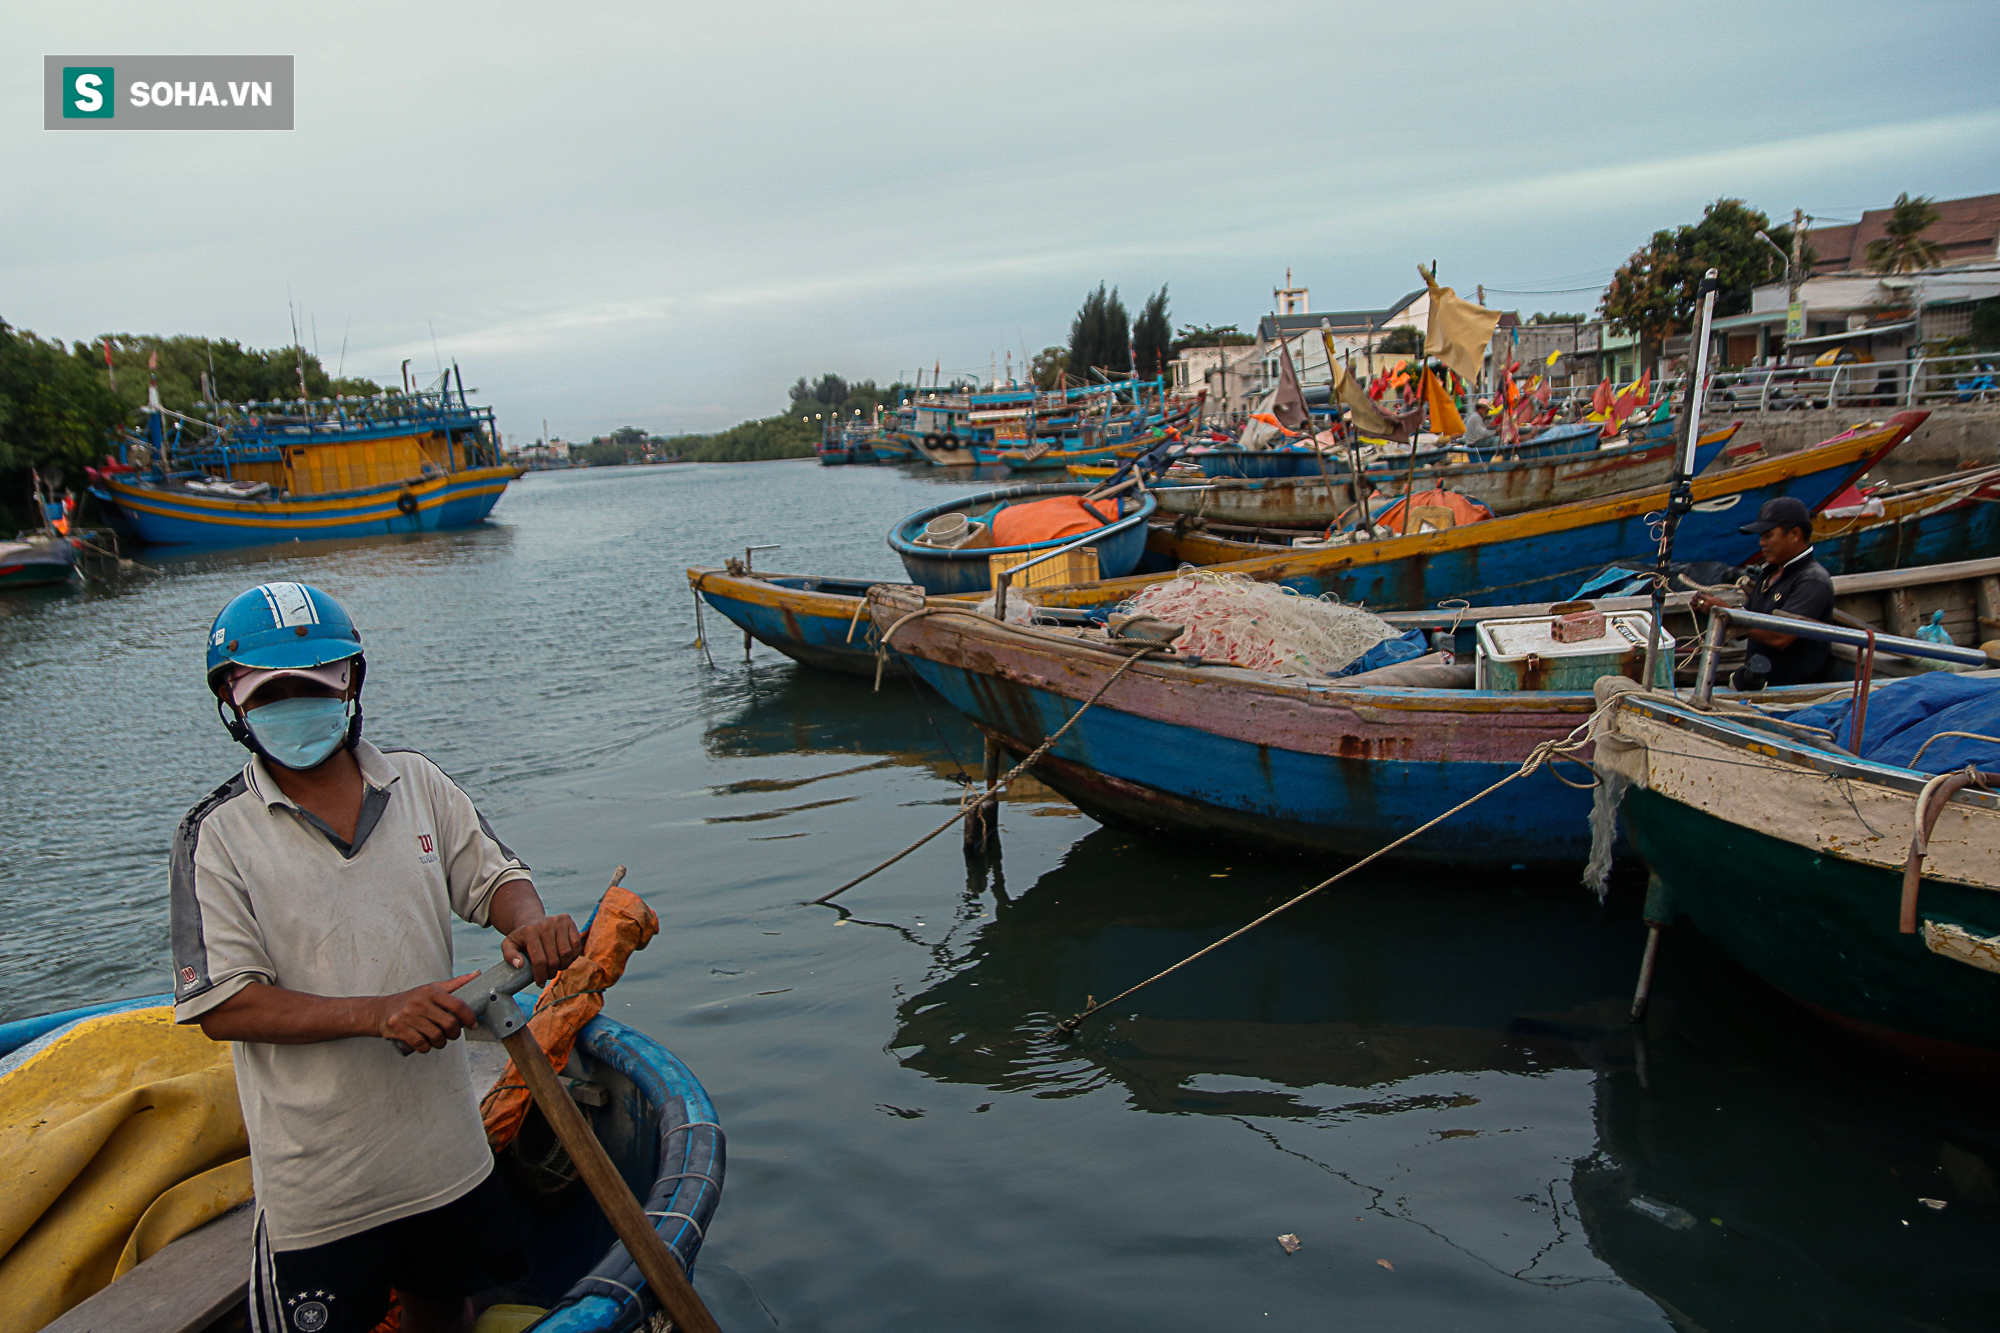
x=1800 y=587
x=344 y=1135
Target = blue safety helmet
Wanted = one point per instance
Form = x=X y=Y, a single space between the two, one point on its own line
x=277 y=625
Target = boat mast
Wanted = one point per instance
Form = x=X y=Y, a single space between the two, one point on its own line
x=1680 y=496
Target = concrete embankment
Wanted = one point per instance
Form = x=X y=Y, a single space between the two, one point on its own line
x=1957 y=433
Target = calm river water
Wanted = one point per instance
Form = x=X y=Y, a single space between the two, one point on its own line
x=1425 y=1077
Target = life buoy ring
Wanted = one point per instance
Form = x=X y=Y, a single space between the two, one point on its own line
x=407 y=503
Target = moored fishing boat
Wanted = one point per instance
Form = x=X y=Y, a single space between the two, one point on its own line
x=1058 y=460
x=1546 y=554
x=813 y=620
x=1864 y=887
x=1110 y=530
x=421 y=461
x=38 y=560
x=966 y=429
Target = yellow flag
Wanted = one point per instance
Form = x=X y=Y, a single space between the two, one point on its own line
x=1552 y=358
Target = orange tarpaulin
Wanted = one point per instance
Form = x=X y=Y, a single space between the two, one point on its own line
x=1046 y=520
x=623 y=925
x=1463 y=508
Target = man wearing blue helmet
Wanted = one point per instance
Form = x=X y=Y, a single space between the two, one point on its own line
x=312 y=897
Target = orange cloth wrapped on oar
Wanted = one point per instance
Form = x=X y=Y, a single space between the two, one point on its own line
x=1046 y=520
x=623 y=925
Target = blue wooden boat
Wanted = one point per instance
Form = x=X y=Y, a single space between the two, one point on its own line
x=942 y=570
x=421 y=461
x=813 y=620
x=1262 y=464
x=655 y=1121
x=1543 y=555
x=1268 y=761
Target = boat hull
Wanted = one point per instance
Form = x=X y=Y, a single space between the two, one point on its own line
x=37 y=564
x=1543 y=556
x=1269 y=762
x=799 y=617
x=1791 y=859
x=165 y=517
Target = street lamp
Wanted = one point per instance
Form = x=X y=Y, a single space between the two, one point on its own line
x=1782 y=254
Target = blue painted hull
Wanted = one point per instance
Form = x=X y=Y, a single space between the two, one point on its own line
x=942 y=572
x=1178 y=779
x=809 y=620
x=163 y=517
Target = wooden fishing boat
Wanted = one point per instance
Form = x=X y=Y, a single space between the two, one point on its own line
x=1323 y=764
x=1056 y=460
x=647 y=1108
x=1505 y=484
x=1269 y=761
x=942 y=569
x=423 y=461
x=812 y=620
x=38 y=560
x=1545 y=555
x=1792 y=857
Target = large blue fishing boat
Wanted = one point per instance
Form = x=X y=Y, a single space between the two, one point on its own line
x=421 y=460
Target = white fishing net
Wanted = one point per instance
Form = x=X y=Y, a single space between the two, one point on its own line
x=1264 y=625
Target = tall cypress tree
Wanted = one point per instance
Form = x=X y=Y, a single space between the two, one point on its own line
x=1099 y=336
x=1153 y=336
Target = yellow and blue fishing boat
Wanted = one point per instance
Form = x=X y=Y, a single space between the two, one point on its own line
x=421 y=460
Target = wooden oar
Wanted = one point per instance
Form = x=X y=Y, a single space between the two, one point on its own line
x=491 y=997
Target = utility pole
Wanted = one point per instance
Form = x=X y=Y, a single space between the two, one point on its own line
x=1795 y=276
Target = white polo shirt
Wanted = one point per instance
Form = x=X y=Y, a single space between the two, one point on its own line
x=344 y=1135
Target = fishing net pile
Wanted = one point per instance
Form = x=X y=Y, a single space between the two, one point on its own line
x=1263 y=625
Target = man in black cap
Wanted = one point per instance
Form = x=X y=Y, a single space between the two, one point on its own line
x=1793 y=583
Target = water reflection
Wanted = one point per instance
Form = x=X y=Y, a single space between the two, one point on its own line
x=1361 y=989
x=1758 y=1170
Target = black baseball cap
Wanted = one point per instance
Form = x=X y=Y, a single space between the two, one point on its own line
x=1784 y=512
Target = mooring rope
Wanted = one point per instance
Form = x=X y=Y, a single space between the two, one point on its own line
x=968 y=803
x=1541 y=754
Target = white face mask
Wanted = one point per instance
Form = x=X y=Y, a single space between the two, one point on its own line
x=300 y=733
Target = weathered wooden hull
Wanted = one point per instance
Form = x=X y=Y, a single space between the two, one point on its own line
x=801 y=616
x=1505 y=487
x=1268 y=761
x=1542 y=556
x=1791 y=860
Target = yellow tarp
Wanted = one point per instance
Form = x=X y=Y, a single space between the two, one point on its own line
x=120 y=1136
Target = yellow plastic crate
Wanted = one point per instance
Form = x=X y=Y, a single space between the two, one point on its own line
x=1078 y=566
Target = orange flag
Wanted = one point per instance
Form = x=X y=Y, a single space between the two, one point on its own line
x=1444 y=413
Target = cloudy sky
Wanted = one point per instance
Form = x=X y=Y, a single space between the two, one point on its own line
x=663 y=214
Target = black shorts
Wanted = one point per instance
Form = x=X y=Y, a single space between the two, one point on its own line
x=448 y=1253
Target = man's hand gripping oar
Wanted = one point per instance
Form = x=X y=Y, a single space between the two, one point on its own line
x=490 y=1011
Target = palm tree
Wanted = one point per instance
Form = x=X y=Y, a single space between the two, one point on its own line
x=1903 y=249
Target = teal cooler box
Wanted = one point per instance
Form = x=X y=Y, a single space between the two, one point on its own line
x=1525 y=654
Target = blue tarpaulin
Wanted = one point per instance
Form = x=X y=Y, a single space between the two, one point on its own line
x=1406 y=647
x=1904 y=714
